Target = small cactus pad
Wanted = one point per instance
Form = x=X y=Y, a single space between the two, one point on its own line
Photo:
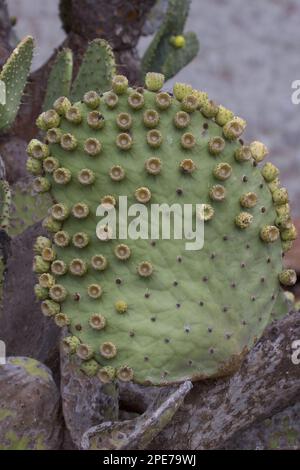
x=14 y=75
x=149 y=310
x=60 y=78
x=96 y=71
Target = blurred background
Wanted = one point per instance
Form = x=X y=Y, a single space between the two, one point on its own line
x=249 y=57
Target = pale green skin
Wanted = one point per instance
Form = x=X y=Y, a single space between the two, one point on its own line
x=149 y=339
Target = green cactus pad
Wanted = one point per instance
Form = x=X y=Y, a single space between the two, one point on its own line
x=14 y=75
x=96 y=71
x=150 y=310
x=60 y=78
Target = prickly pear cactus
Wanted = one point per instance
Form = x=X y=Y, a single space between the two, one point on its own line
x=149 y=310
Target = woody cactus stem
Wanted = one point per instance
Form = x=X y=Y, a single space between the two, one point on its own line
x=119 y=21
x=137 y=433
x=171 y=48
